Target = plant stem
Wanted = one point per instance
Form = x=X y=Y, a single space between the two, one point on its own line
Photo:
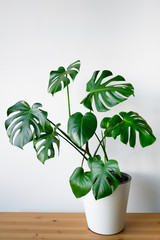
x=104 y=145
x=86 y=151
x=69 y=140
x=104 y=138
x=73 y=146
x=68 y=98
x=60 y=130
x=103 y=148
x=82 y=160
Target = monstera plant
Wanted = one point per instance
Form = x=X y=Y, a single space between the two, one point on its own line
x=104 y=91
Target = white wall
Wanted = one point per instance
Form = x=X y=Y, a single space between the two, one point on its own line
x=40 y=35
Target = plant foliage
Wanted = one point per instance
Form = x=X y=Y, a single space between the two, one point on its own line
x=44 y=144
x=81 y=128
x=60 y=78
x=80 y=182
x=103 y=177
x=25 y=123
x=111 y=94
x=126 y=125
x=19 y=125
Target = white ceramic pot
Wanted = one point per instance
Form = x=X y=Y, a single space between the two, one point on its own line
x=107 y=215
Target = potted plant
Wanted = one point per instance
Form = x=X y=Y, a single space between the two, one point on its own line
x=103 y=187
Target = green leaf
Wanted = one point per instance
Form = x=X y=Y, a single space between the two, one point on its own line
x=104 y=122
x=60 y=78
x=103 y=177
x=81 y=128
x=93 y=159
x=44 y=145
x=80 y=182
x=126 y=126
x=106 y=94
x=109 y=124
x=24 y=122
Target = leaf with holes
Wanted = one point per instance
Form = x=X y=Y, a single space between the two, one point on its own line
x=81 y=128
x=80 y=182
x=61 y=78
x=44 y=145
x=106 y=94
x=103 y=177
x=19 y=126
x=126 y=125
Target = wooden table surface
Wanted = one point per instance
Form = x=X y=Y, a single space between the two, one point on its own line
x=73 y=226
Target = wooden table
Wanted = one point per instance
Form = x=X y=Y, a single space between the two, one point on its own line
x=72 y=226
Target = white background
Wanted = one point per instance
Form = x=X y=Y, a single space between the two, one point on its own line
x=37 y=36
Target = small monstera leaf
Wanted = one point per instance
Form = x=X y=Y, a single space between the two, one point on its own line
x=109 y=124
x=24 y=122
x=81 y=128
x=44 y=144
x=61 y=78
x=103 y=177
x=126 y=125
x=80 y=182
x=106 y=94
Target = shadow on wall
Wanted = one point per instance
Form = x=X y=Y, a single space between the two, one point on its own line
x=144 y=196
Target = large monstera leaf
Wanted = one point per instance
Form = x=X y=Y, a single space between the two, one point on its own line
x=24 y=122
x=60 y=78
x=106 y=94
x=103 y=178
x=44 y=144
x=80 y=182
x=81 y=128
x=126 y=125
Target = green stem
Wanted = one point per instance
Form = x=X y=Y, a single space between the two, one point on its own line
x=103 y=148
x=86 y=151
x=69 y=140
x=68 y=98
x=60 y=130
x=104 y=138
x=104 y=145
x=73 y=146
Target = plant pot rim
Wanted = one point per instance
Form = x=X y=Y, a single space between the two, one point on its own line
x=128 y=178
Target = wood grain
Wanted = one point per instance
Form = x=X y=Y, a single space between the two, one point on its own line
x=73 y=226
